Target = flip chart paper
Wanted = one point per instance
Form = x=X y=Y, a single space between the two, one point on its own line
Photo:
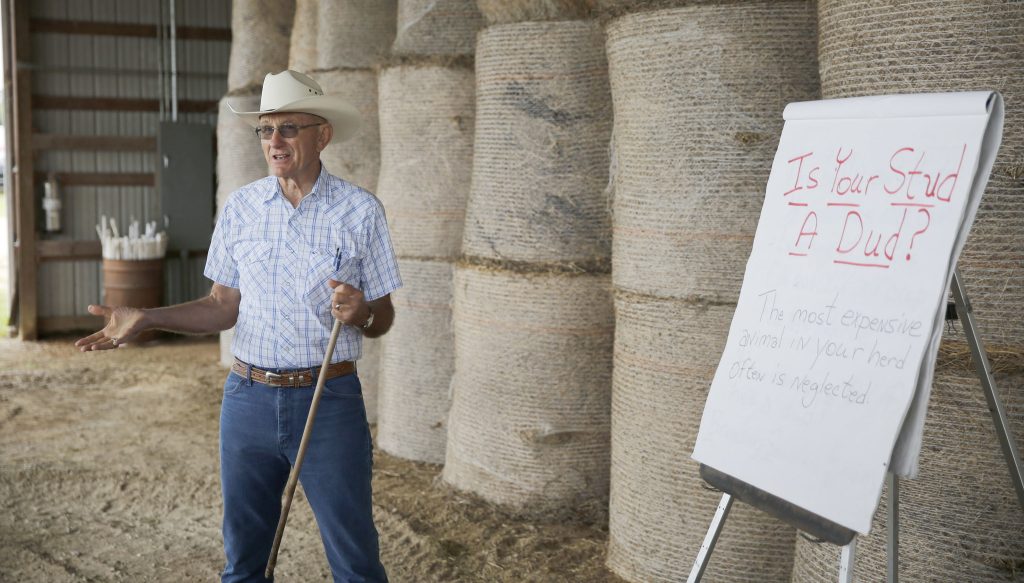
x=835 y=334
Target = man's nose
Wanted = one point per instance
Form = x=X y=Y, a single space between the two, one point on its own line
x=276 y=139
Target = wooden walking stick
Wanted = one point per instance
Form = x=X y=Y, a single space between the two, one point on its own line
x=293 y=477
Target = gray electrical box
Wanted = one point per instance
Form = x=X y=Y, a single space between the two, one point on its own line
x=186 y=183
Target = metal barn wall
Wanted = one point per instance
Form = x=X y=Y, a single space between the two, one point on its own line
x=116 y=182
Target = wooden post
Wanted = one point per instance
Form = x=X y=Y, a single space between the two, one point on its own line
x=24 y=188
x=8 y=192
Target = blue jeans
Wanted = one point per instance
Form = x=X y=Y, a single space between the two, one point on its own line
x=260 y=430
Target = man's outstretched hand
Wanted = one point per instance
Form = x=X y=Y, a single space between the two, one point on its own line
x=123 y=324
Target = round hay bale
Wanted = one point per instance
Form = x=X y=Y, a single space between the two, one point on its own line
x=698 y=95
x=529 y=419
x=369 y=377
x=240 y=157
x=877 y=47
x=870 y=47
x=302 y=55
x=992 y=262
x=666 y=352
x=543 y=124
x=357 y=160
x=417 y=363
x=508 y=11
x=426 y=133
x=437 y=27
x=959 y=520
x=616 y=8
x=355 y=33
x=259 y=41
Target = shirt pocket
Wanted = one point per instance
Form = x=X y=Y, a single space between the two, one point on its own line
x=340 y=264
x=255 y=268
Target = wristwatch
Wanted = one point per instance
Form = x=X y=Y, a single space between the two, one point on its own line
x=369 y=319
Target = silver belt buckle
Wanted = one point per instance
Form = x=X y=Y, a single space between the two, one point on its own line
x=273 y=377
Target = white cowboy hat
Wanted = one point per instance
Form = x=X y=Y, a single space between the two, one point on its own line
x=292 y=91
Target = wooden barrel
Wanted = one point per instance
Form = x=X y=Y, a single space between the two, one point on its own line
x=135 y=284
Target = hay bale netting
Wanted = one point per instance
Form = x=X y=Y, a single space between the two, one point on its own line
x=529 y=423
x=698 y=95
x=877 y=47
x=355 y=33
x=666 y=352
x=959 y=520
x=616 y=8
x=437 y=27
x=358 y=159
x=417 y=364
x=302 y=54
x=543 y=123
x=507 y=11
x=369 y=376
x=261 y=31
x=240 y=157
x=426 y=134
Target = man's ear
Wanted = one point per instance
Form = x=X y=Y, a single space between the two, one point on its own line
x=326 y=134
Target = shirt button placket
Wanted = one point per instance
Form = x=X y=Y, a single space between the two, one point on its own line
x=290 y=272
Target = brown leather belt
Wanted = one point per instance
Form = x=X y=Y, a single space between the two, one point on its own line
x=300 y=377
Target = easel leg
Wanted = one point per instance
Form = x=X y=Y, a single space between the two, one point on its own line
x=846 y=562
x=710 y=539
x=894 y=528
x=995 y=406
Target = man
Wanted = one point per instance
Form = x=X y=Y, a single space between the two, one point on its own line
x=280 y=246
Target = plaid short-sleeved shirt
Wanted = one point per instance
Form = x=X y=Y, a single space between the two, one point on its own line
x=280 y=259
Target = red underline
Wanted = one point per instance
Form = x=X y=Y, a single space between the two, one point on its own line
x=860 y=264
x=798 y=204
x=917 y=204
x=843 y=204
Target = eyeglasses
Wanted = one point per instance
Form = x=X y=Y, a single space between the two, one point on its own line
x=287 y=130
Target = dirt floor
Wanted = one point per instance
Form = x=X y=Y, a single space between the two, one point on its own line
x=108 y=472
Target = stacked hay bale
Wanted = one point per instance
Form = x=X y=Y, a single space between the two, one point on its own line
x=436 y=27
x=259 y=45
x=353 y=36
x=302 y=54
x=260 y=32
x=959 y=519
x=358 y=159
x=426 y=124
x=533 y=320
x=510 y=11
x=698 y=92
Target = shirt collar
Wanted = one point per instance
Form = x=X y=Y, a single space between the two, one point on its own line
x=321 y=181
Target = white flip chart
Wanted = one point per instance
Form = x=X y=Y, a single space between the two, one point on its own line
x=825 y=378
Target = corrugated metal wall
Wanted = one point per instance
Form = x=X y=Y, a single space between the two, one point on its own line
x=116 y=66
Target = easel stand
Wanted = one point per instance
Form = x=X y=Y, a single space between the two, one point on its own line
x=828 y=531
